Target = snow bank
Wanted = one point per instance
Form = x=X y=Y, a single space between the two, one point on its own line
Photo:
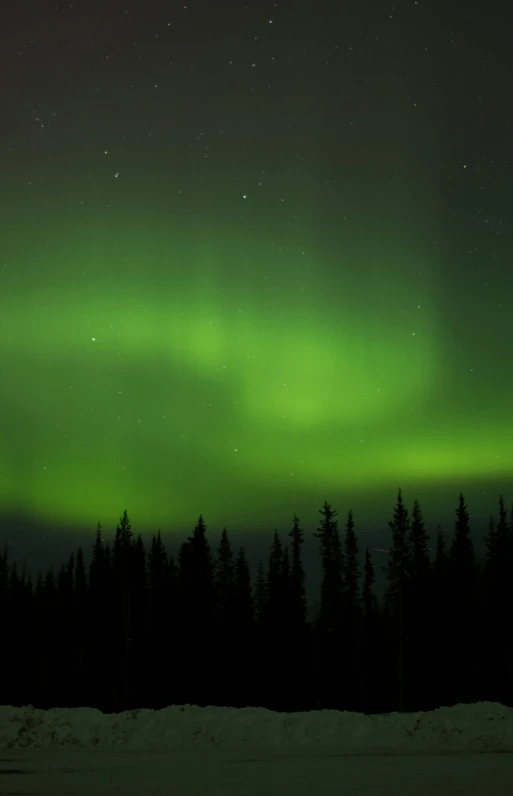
x=481 y=726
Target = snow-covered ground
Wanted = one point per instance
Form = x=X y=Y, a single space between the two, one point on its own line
x=191 y=750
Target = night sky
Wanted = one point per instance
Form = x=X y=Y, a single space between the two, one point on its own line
x=254 y=256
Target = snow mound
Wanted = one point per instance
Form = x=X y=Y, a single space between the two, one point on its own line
x=481 y=726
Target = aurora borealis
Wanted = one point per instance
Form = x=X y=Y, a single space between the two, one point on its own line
x=253 y=257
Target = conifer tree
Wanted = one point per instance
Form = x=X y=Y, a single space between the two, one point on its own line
x=4 y=624
x=122 y=552
x=328 y=631
x=275 y=631
x=330 y=615
x=275 y=586
x=397 y=572
x=260 y=595
x=21 y=649
x=297 y=576
x=9 y=623
x=352 y=617
x=100 y=639
x=97 y=574
x=286 y=603
x=46 y=636
x=4 y=574
x=63 y=623
x=197 y=611
x=371 y=648
x=163 y=649
x=157 y=571
x=369 y=601
x=418 y=617
x=399 y=564
x=138 y=632
x=224 y=580
x=122 y=558
x=440 y=564
x=351 y=574
x=490 y=542
x=462 y=555
x=285 y=571
x=197 y=574
x=463 y=609
x=80 y=617
x=497 y=609
x=418 y=542
x=243 y=631
x=157 y=561
x=243 y=600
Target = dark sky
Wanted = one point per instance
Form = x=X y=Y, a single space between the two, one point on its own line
x=255 y=256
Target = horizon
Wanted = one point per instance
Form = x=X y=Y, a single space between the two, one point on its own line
x=51 y=552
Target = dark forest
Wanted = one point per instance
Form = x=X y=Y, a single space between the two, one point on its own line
x=141 y=630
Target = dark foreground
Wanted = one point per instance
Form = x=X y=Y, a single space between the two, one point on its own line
x=195 y=773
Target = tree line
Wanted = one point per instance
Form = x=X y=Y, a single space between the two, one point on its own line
x=141 y=630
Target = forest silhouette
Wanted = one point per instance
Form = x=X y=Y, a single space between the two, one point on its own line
x=138 y=629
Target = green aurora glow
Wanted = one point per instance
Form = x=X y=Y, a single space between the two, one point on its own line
x=179 y=390
x=170 y=347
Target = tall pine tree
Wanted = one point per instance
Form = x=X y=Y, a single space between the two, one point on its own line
x=329 y=629
x=397 y=572
x=352 y=618
x=463 y=610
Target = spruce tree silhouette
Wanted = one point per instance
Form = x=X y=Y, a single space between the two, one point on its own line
x=122 y=618
x=197 y=606
x=417 y=612
x=497 y=606
x=352 y=617
x=397 y=572
x=297 y=577
x=224 y=578
x=463 y=610
x=240 y=674
x=299 y=636
x=163 y=638
x=370 y=646
x=329 y=641
x=440 y=622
